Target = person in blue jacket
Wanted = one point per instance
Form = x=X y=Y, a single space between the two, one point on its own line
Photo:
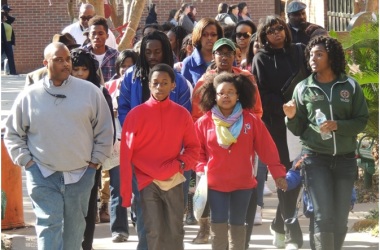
x=206 y=32
x=134 y=90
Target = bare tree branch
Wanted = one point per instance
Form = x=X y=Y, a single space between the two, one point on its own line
x=135 y=16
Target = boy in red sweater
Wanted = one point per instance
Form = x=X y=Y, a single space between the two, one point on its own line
x=158 y=139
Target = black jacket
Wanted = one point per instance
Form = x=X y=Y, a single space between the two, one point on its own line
x=272 y=68
x=152 y=15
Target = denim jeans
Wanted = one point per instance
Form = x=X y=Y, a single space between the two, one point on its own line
x=88 y=236
x=229 y=207
x=60 y=209
x=261 y=177
x=329 y=181
x=118 y=216
x=250 y=217
x=140 y=229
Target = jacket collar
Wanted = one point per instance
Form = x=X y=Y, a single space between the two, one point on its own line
x=197 y=57
x=153 y=102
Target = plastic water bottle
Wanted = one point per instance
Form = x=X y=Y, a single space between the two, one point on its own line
x=321 y=118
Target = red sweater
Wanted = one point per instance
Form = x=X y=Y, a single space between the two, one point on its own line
x=153 y=136
x=232 y=169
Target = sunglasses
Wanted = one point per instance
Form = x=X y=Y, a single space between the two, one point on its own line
x=271 y=31
x=245 y=35
x=86 y=18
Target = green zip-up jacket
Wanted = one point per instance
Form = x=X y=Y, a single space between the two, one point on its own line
x=345 y=104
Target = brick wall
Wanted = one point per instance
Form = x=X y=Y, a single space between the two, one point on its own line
x=37 y=22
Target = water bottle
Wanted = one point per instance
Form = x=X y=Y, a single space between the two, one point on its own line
x=321 y=118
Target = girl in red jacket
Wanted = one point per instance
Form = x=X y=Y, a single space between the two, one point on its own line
x=230 y=135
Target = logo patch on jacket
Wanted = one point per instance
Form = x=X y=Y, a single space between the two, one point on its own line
x=247 y=126
x=345 y=95
x=316 y=98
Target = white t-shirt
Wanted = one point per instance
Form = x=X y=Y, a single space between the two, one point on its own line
x=99 y=58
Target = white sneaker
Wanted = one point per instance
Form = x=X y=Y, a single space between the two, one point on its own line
x=291 y=246
x=258 y=216
x=267 y=191
x=279 y=239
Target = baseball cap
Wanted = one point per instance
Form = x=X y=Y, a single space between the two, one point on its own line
x=66 y=39
x=6 y=7
x=223 y=41
x=295 y=6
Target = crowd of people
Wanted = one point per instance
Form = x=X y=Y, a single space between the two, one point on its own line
x=192 y=96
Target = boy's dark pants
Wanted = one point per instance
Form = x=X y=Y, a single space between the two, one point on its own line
x=163 y=217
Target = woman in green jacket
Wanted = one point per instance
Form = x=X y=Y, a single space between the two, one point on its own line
x=329 y=164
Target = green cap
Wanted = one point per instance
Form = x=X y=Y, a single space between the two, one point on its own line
x=223 y=41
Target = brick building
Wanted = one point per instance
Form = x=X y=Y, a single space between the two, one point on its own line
x=37 y=21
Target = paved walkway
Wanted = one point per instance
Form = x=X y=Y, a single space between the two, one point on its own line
x=25 y=239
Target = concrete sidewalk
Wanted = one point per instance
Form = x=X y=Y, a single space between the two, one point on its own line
x=25 y=238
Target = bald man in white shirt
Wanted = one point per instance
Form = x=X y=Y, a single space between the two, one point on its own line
x=86 y=12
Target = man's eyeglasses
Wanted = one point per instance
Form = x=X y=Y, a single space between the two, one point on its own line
x=272 y=30
x=229 y=94
x=86 y=18
x=245 y=35
x=225 y=54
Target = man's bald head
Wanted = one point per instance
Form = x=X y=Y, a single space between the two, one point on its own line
x=52 y=48
x=86 y=12
x=58 y=62
x=86 y=6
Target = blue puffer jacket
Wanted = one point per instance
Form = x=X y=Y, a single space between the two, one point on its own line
x=194 y=66
x=131 y=93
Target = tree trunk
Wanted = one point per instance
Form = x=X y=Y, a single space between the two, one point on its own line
x=99 y=6
x=127 y=7
x=70 y=6
x=116 y=20
x=136 y=12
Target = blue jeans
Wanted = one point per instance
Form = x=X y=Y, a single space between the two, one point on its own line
x=329 y=181
x=141 y=233
x=229 y=207
x=60 y=209
x=261 y=177
x=118 y=216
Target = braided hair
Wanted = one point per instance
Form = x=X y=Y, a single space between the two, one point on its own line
x=142 y=66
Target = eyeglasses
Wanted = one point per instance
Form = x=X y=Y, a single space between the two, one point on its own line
x=209 y=34
x=228 y=94
x=271 y=31
x=245 y=35
x=86 y=18
x=225 y=54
